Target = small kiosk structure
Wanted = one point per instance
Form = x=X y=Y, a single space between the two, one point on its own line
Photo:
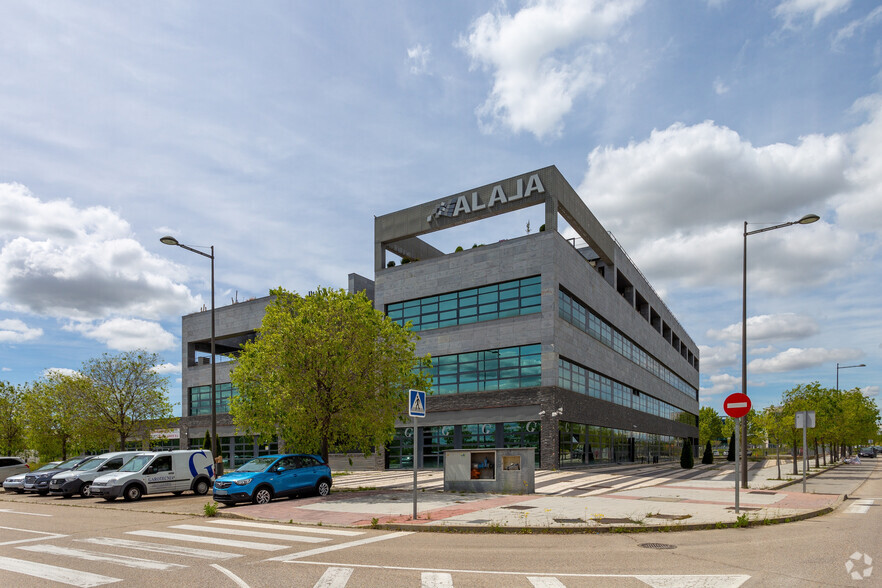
x=500 y=471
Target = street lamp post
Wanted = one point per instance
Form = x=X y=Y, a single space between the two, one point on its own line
x=807 y=219
x=219 y=466
x=845 y=367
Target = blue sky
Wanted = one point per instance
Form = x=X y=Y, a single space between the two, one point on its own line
x=274 y=131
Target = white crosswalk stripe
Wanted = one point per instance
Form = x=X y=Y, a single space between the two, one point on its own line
x=334 y=578
x=545 y=582
x=860 y=507
x=211 y=540
x=160 y=548
x=55 y=573
x=297 y=529
x=436 y=580
x=121 y=560
x=255 y=534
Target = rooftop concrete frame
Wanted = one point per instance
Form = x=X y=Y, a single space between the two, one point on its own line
x=399 y=232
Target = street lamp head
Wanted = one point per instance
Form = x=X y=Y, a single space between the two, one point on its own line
x=168 y=240
x=808 y=219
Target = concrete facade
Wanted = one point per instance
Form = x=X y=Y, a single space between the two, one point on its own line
x=601 y=276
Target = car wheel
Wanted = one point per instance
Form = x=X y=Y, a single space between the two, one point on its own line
x=132 y=493
x=323 y=488
x=262 y=495
x=86 y=490
x=201 y=487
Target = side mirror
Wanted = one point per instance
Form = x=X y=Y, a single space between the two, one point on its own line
x=280 y=469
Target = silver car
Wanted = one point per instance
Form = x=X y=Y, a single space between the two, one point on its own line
x=16 y=483
x=10 y=466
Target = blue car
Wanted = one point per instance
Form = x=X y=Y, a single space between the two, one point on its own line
x=264 y=478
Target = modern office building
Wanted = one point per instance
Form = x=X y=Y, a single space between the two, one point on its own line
x=537 y=341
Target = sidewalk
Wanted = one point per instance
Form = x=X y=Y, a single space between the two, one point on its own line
x=632 y=498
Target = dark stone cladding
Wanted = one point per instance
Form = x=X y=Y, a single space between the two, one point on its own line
x=577 y=408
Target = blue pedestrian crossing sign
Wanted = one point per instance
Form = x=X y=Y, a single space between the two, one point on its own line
x=416 y=406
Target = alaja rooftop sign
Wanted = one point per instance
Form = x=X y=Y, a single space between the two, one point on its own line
x=467 y=204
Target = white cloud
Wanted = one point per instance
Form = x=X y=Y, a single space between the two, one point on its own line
x=721 y=384
x=168 y=368
x=858 y=25
x=82 y=263
x=870 y=390
x=688 y=189
x=714 y=358
x=61 y=371
x=768 y=327
x=418 y=58
x=793 y=10
x=799 y=359
x=719 y=87
x=860 y=208
x=16 y=331
x=127 y=334
x=543 y=58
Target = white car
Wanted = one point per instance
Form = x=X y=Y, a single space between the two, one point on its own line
x=10 y=466
x=79 y=480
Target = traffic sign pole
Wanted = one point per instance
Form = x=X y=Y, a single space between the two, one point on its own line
x=416 y=407
x=737 y=406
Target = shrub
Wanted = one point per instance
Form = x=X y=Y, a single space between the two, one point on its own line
x=686 y=459
x=708 y=456
x=731 y=455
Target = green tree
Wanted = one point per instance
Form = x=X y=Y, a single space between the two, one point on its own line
x=206 y=442
x=12 y=419
x=710 y=425
x=730 y=456
x=325 y=373
x=55 y=414
x=687 y=461
x=776 y=428
x=708 y=456
x=125 y=395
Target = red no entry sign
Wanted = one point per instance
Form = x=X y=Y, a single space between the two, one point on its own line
x=737 y=405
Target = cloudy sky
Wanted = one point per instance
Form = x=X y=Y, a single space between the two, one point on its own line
x=274 y=131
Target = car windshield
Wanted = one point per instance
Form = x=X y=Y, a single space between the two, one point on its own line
x=257 y=465
x=48 y=466
x=68 y=464
x=90 y=464
x=136 y=463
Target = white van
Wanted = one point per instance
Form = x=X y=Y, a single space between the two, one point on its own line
x=79 y=480
x=157 y=472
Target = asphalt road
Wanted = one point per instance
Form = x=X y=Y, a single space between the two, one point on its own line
x=49 y=543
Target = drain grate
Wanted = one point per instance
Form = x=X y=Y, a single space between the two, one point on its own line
x=670 y=517
x=571 y=521
x=609 y=521
x=658 y=546
x=518 y=507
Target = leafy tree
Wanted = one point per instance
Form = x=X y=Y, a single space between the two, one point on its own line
x=125 y=394
x=687 y=462
x=325 y=373
x=777 y=428
x=12 y=422
x=708 y=456
x=710 y=424
x=206 y=443
x=57 y=426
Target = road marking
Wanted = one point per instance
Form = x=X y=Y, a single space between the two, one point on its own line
x=45 y=536
x=211 y=540
x=657 y=581
x=859 y=507
x=123 y=560
x=30 y=514
x=160 y=548
x=334 y=578
x=239 y=581
x=694 y=581
x=339 y=546
x=256 y=534
x=436 y=580
x=545 y=582
x=55 y=573
x=288 y=528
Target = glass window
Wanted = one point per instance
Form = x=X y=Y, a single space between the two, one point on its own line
x=491 y=369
